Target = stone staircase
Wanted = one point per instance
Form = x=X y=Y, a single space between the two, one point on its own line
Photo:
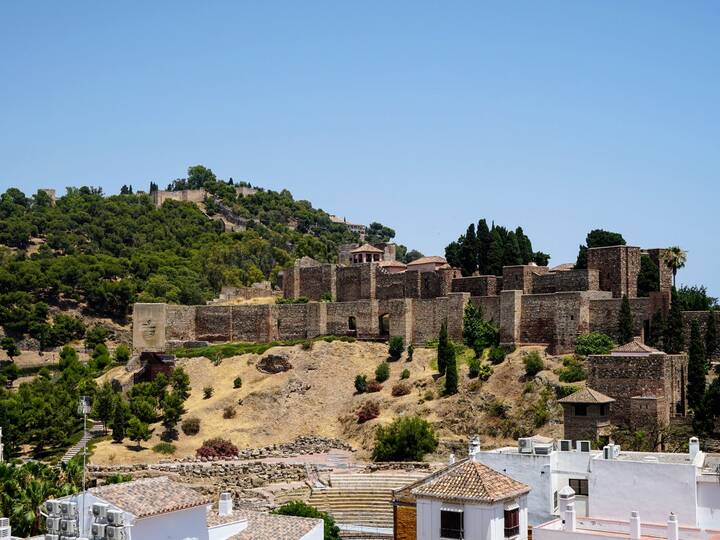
x=96 y=429
x=362 y=499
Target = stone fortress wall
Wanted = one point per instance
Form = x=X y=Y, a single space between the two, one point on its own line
x=531 y=304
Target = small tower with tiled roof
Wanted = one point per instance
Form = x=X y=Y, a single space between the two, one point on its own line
x=366 y=253
x=586 y=414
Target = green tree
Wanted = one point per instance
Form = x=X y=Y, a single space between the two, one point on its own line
x=122 y=354
x=484 y=240
x=675 y=258
x=674 y=340
x=172 y=409
x=442 y=348
x=625 y=321
x=696 y=368
x=593 y=343
x=649 y=276
x=598 y=238
x=407 y=438
x=451 y=372
x=496 y=253
x=468 y=252
x=396 y=347
x=382 y=372
x=695 y=298
x=10 y=348
x=302 y=509
x=533 y=363
x=360 y=383
x=657 y=330
x=137 y=431
x=104 y=404
x=121 y=413
x=711 y=338
x=180 y=382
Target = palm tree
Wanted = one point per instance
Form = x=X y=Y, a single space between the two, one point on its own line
x=675 y=258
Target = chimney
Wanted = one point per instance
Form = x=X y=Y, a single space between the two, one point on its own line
x=570 y=522
x=451 y=459
x=474 y=447
x=672 y=527
x=634 y=525
x=694 y=447
x=225 y=505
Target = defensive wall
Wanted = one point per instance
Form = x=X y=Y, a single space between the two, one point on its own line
x=531 y=304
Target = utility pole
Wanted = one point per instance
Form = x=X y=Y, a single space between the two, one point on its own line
x=2 y=459
x=84 y=408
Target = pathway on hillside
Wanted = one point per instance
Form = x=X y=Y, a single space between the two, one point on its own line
x=96 y=428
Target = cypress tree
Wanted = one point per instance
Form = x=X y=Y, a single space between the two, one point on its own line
x=484 y=240
x=525 y=244
x=696 y=368
x=657 y=329
x=451 y=372
x=625 y=322
x=468 y=252
x=674 y=340
x=495 y=254
x=120 y=416
x=710 y=337
x=442 y=350
x=511 y=252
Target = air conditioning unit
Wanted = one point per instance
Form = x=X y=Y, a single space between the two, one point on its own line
x=52 y=506
x=565 y=445
x=115 y=533
x=5 y=532
x=53 y=524
x=68 y=509
x=584 y=446
x=116 y=517
x=69 y=527
x=525 y=445
x=99 y=510
x=4 y=522
x=543 y=449
x=98 y=531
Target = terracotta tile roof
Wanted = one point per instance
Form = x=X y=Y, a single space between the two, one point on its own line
x=427 y=260
x=634 y=347
x=563 y=267
x=367 y=248
x=470 y=480
x=150 y=496
x=586 y=395
x=397 y=264
x=263 y=526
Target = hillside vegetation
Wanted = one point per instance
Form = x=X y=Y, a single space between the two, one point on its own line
x=101 y=254
x=317 y=396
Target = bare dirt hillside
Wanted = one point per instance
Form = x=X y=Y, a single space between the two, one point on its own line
x=317 y=396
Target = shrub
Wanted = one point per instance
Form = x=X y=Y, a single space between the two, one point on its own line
x=565 y=391
x=486 y=371
x=474 y=367
x=217 y=447
x=301 y=509
x=400 y=389
x=164 y=448
x=533 y=363
x=306 y=345
x=405 y=374
x=368 y=411
x=406 y=439
x=410 y=352
x=497 y=409
x=208 y=391
x=237 y=383
x=396 y=347
x=429 y=395
x=298 y=300
x=382 y=372
x=373 y=386
x=497 y=355
x=572 y=370
x=191 y=426
x=361 y=383
x=122 y=354
x=593 y=343
x=229 y=412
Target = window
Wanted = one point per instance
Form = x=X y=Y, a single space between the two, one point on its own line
x=512 y=522
x=603 y=410
x=579 y=486
x=451 y=524
x=580 y=409
x=352 y=323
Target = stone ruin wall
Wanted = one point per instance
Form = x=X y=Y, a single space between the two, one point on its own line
x=702 y=318
x=604 y=314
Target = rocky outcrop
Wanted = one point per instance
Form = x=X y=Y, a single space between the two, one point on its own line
x=274 y=363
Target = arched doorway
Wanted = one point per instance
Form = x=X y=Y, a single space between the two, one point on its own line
x=352 y=326
x=384 y=325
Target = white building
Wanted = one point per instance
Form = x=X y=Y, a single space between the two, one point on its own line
x=571 y=527
x=160 y=509
x=605 y=482
x=466 y=500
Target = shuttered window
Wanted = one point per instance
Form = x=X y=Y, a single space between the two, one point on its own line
x=512 y=522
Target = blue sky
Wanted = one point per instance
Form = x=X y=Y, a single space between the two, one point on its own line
x=557 y=116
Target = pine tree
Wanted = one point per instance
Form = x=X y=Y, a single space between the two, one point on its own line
x=451 y=372
x=710 y=338
x=696 y=368
x=104 y=404
x=484 y=240
x=657 y=329
x=468 y=252
x=674 y=340
x=625 y=322
x=442 y=350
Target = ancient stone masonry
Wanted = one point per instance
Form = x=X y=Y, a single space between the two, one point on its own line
x=531 y=304
x=702 y=318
